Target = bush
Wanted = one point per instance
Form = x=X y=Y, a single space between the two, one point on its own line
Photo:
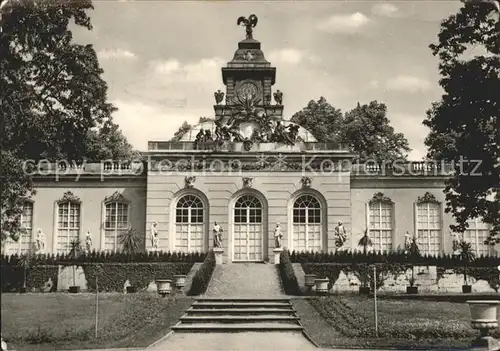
x=203 y=275
x=112 y=276
x=288 y=278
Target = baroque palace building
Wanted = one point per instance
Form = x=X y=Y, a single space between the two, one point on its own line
x=246 y=170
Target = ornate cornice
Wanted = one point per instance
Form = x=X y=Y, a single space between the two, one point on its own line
x=428 y=197
x=306 y=182
x=116 y=197
x=189 y=181
x=69 y=197
x=247 y=182
x=379 y=197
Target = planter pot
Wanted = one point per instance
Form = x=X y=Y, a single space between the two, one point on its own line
x=321 y=285
x=310 y=280
x=364 y=290
x=483 y=316
x=131 y=289
x=466 y=289
x=412 y=289
x=163 y=286
x=179 y=281
x=74 y=289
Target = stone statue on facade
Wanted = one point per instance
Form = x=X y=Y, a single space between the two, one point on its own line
x=40 y=241
x=249 y=23
x=219 y=96
x=278 y=97
x=278 y=235
x=155 y=239
x=280 y=135
x=217 y=235
x=88 y=242
x=456 y=243
x=340 y=235
x=407 y=242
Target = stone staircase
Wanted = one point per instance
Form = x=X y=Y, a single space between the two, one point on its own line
x=239 y=315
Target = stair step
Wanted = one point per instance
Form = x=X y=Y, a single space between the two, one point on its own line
x=210 y=327
x=239 y=319
x=248 y=311
x=240 y=305
x=229 y=299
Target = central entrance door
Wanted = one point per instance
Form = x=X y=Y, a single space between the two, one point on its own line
x=247 y=229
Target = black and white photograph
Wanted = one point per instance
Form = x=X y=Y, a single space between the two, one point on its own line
x=250 y=175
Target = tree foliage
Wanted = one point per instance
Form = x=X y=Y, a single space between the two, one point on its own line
x=54 y=100
x=465 y=123
x=365 y=129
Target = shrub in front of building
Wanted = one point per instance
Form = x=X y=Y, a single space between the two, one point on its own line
x=202 y=277
x=287 y=274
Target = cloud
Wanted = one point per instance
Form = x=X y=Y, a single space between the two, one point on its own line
x=290 y=56
x=407 y=83
x=116 y=54
x=204 y=70
x=156 y=122
x=386 y=10
x=344 y=24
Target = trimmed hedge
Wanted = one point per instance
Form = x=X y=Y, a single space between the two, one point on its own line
x=107 y=257
x=112 y=276
x=36 y=278
x=202 y=277
x=356 y=257
x=288 y=278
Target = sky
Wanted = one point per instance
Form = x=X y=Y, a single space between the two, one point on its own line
x=162 y=60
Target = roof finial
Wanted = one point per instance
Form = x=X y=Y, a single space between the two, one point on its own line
x=249 y=23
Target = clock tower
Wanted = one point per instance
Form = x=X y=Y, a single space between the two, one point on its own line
x=249 y=78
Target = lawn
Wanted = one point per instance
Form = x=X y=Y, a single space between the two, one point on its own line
x=67 y=321
x=349 y=322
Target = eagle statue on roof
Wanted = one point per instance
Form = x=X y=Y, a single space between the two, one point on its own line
x=249 y=23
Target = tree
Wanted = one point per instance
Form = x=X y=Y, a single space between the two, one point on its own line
x=186 y=127
x=54 y=100
x=130 y=241
x=365 y=129
x=467 y=256
x=322 y=120
x=465 y=123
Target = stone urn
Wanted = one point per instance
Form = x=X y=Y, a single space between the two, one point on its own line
x=321 y=285
x=309 y=281
x=484 y=318
x=179 y=281
x=163 y=286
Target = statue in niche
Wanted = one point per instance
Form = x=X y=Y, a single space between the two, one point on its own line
x=217 y=235
x=456 y=243
x=340 y=235
x=40 y=241
x=88 y=242
x=219 y=96
x=155 y=240
x=278 y=235
x=249 y=24
x=278 y=97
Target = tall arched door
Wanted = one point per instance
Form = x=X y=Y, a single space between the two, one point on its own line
x=307 y=229
x=247 y=229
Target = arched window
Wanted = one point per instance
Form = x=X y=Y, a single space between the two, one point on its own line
x=68 y=222
x=247 y=233
x=189 y=224
x=307 y=225
x=116 y=220
x=428 y=213
x=24 y=243
x=380 y=222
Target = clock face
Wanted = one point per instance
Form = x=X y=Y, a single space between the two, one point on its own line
x=247 y=91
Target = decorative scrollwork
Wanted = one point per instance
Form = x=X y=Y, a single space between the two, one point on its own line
x=247 y=182
x=189 y=181
x=69 y=197
x=116 y=197
x=306 y=182
x=428 y=197
x=379 y=197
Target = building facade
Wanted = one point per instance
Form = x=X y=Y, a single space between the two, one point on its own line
x=247 y=170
